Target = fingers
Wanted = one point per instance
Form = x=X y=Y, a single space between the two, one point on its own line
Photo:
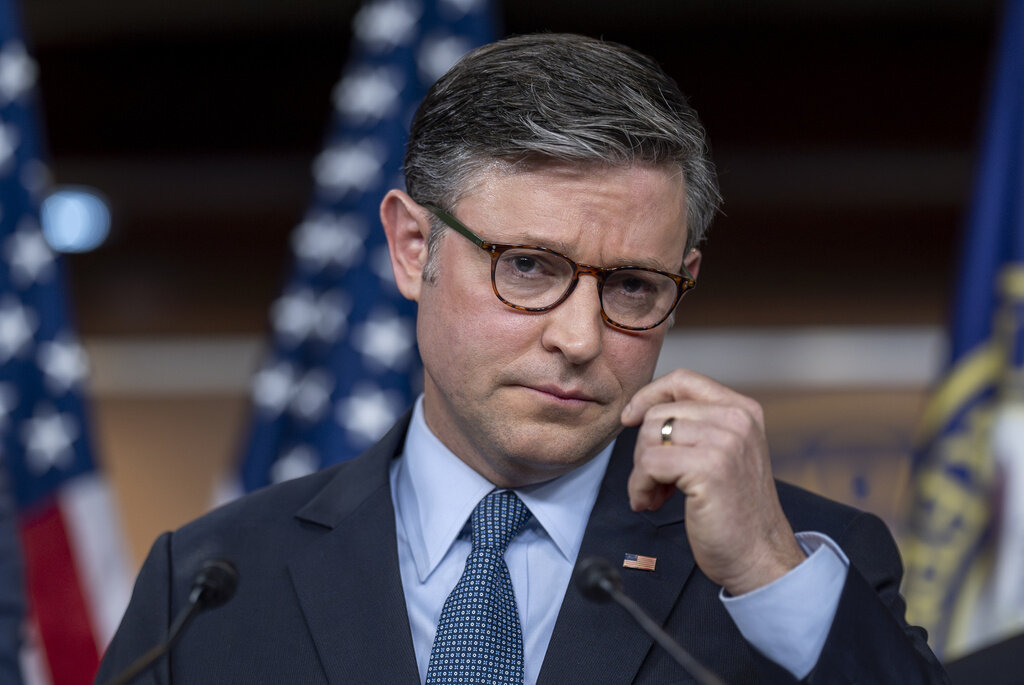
x=717 y=455
x=683 y=385
x=655 y=477
x=695 y=423
x=715 y=435
x=646 y=492
x=704 y=446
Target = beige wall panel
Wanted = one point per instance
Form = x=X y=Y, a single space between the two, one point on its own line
x=853 y=446
x=165 y=457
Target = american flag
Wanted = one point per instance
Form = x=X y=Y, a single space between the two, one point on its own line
x=343 y=363
x=639 y=561
x=75 y=572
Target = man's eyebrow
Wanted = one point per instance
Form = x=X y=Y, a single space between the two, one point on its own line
x=568 y=248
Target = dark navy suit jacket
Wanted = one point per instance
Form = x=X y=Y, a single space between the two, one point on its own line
x=320 y=597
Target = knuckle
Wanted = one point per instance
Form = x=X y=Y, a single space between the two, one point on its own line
x=731 y=444
x=738 y=418
x=678 y=376
x=755 y=410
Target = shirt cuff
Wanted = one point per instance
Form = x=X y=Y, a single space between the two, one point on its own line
x=789 y=619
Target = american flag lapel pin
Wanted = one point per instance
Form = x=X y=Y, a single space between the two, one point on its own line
x=639 y=561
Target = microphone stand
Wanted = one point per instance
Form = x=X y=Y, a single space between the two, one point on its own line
x=599 y=581
x=214 y=585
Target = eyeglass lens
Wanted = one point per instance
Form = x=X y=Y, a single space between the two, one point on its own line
x=535 y=279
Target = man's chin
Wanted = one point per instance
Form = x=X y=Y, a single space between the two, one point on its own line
x=549 y=447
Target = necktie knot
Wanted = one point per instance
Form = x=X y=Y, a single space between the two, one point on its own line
x=496 y=520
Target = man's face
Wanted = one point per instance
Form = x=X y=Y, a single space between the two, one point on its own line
x=525 y=397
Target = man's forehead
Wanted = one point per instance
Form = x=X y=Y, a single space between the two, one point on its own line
x=542 y=172
x=539 y=192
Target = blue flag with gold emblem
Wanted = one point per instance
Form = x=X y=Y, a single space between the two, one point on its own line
x=343 y=363
x=965 y=552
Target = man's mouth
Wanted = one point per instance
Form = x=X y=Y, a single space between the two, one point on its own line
x=562 y=394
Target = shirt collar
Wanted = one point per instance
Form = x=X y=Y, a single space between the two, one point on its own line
x=436 y=492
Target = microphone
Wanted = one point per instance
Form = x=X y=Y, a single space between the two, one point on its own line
x=214 y=585
x=599 y=581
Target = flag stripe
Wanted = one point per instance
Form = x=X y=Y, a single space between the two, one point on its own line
x=57 y=598
x=94 y=534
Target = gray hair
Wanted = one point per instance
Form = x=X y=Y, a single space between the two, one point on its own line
x=555 y=98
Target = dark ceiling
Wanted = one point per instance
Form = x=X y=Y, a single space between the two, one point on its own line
x=844 y=132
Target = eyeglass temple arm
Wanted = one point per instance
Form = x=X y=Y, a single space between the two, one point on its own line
x=455 y=223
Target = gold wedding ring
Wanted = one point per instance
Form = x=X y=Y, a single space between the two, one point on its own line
x=666 y=431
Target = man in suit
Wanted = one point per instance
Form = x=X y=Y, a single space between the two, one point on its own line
x=533 y=159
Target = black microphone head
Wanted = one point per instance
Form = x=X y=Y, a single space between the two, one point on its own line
x=215 y=583
x=596 y=579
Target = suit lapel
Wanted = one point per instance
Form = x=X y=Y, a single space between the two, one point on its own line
x=600 y=643
x=348 y=582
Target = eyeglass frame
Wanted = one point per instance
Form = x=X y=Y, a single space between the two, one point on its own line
x=684 y=282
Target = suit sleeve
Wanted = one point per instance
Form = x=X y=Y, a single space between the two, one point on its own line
x=146 y=620
x=870 y=640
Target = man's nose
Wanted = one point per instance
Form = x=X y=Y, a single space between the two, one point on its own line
x=575 y=327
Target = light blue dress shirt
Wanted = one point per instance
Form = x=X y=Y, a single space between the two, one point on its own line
x=435 y=492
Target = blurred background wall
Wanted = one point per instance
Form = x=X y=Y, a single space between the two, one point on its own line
x=844 y=132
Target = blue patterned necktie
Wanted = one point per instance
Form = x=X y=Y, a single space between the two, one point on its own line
x=479 y=639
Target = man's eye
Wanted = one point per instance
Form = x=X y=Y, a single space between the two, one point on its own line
x=524 y=264
x=634 y=285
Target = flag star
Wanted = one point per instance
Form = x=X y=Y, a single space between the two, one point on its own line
x=300 y=314
x=438 y=54
x=333 y=308
x=49 y=437
x=64 y=362
x=327 y=238
x=368 y=412
x=295 y=315
x=299 y=461
x=30 y=257
x=369 y=95
x=347 y=167
x=10 y=137
x=386 y=24
x=8 y=402
x=17 y=324
x=273 y=386
x=312 y=395
x=17 y=71
x=385 y=339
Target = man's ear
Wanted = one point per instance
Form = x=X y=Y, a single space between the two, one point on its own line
x=407 y=228
x=692 y=261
